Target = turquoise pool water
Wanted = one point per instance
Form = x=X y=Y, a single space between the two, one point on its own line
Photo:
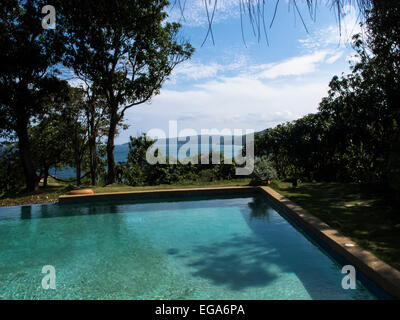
x=224 y=248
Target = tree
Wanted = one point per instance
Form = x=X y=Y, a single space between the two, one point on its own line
x=49 y=143
x=365 y=104
x=137 y=170
x=11 y=171
x=27 y=73
x=126 y=49
x=74 y=125
x=96 y=123
x=355 y=135
x=383 y=25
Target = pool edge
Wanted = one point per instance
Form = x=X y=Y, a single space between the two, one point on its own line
x=142 y=194
x=387 y=277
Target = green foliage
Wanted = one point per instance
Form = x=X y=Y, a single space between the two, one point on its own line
x=49 y=144
x=206 y=175
x=28 y=79
x=224 y=170
x=295 y=148
x=126 y=50
x=383 y=25
x=354 y=137
x=75 y=129
x=124 y=53
x=11 y=172
x=137 y=171
x=264 y=171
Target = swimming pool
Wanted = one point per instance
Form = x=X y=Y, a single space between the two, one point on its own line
x=225 y=247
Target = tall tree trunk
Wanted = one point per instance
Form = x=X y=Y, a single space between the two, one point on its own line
x=45 y=176
x=110 y=149
x=93 y=160
x=77 y=156
x=31 y=179
x=92 y=148
x=78 y=172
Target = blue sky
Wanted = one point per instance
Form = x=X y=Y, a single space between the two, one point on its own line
x=252 y=85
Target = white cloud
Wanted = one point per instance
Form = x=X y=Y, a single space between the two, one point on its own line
x=239 y=102
x=241 y=94
x=332 y=36
x=195 y=14
x=334 y=57
x=196 y=70
x=294 y=66
x=251 y=97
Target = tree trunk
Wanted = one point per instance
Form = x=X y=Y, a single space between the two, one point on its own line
x=110 y=150
x=92 y=151
x=45 y=176
x=31 y=179
x=93 y=161
x=78 y=172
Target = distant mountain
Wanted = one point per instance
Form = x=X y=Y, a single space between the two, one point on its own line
x=199 y=139
x=121 y=150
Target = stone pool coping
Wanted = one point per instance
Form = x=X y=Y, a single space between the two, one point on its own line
x=385 y=276
x=161 y=193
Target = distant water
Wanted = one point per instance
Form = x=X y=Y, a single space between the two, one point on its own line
x=121 y=155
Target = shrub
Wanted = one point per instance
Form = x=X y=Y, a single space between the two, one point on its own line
x=263 y=172
x=133 y=175
x=207 y=175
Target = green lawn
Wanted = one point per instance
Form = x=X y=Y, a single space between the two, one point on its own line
x=360 y=213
